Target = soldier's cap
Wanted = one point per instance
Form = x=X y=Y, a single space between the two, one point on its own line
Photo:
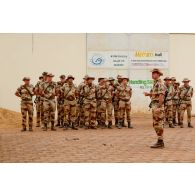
x=119 y=77
x=177 y=83
x=186 y=80
x=41 y=77
x=70 y=76
x=44 y=73
x=157 y=70
x=86 y=76
x=90 y=77
x=173 y=78
x=26 y=79
x=100 y=78
x=167 y=78
x=111 y=79
x=125 y=78
x=62 y=76
x=50 y=75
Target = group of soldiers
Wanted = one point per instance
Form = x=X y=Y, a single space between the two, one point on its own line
x=92 y=106
x=86 y=105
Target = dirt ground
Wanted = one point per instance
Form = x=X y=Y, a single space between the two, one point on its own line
x=108 y=145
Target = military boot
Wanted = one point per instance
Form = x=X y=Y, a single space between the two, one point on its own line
x=120 y=125
x=171 y=126
x=103 y=125
x=23 y=129
x=110 y=125
x=66 y=126
x=190 y=125
x=129 y=125
x=174 y=122
x=181 y=125
x=52 y=127
x=45 y=127
x=74 y=127
x=158 y=144
x=58 y=124
x=116 y=122
x=38 y=124
x=123 y=124
x=30 y=128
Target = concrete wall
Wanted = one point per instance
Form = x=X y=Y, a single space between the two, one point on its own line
x=29 y=55
x=26 y=55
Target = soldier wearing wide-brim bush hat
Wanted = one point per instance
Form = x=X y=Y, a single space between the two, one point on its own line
x=185 y=80
x=70 y=76
x=177 y=83
x=157 y=71
x=50 y=75
x=62 y=76
x=26 y=79
x=40 y=77
x=111 y=79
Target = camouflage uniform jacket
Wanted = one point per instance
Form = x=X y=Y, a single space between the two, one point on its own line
x=25 y=92
x=48 y=90
x=185 y=98
x=124 y=92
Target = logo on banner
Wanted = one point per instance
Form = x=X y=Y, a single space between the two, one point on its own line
x=97 y=60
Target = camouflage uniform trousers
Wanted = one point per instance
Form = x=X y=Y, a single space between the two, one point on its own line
x=49 y=107
x=183 y=107
x=169 y=112
x=124 y=107
x=90 y=112
x=176 y=111
x=38 y=112
x=27 y=108
x=116 y=109
x=158 y=120
x=42 y=111
x=70 y=111
x=105 y=106
x=80 y=114
x=60 y=112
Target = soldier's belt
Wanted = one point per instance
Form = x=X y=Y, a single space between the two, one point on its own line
x=125 y=100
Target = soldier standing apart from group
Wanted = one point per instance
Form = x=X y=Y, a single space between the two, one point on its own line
x=124 y=93
x=69 y=91
x=48 y=91
x=157 y=103
x=176 y=111
x=168 y=102
x=90 y=103
x=60 y=102
x=38 y=101
x=186 y=94
x=26 y=92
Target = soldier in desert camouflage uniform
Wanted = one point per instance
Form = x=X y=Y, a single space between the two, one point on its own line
x=185 y=94
x=124 y=93
x=69 y=91
x=60 y=102
x=176 y=112
x=38 y=101
x=104 y=97
x=157 y=103
x=168 y=101
x=26 y=92
x=48 y=91
x=90 y=103
x=80 y=108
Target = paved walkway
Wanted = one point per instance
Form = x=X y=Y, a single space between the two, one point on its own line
x=125 y=145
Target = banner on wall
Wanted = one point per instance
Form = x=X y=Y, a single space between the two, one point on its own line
x=148 y=59
x=108 y=59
